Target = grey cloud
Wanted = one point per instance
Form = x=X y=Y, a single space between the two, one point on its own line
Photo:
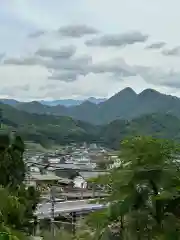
x=63 y=65
x=56 y=57
x=36 y=34
x=76 y=64
x=172 y=80
x=119 y=69
x=117 y=66
x=117 y=40
x=159 y=76
x=149 y=74
x=29 y=61
x=84 y=59
x=65 y=76
x=83 y=66
x=172 y=52
x=63 y=52
x=70 y=71
x=13 y=89
x=156 y=45
x=65 y=62
x=77 y=31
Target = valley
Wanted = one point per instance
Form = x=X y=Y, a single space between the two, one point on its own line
x=125 y=114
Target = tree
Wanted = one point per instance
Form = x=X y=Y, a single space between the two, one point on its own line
x=17 y=201
x=12 y=167
x=142 y=192
x=82 y=233
x=11 y=214
x=16 y=210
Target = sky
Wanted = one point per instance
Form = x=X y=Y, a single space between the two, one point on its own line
x=87 y=48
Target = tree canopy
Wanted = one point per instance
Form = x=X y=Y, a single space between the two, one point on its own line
x=17 y=203
x=144 y=193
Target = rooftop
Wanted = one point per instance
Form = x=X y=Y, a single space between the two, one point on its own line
x=48 y=177
x=87 y=175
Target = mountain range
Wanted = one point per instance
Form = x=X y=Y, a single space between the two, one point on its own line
x=126 y=105
x=72 y=102
x=63 y=102
x=51 y=129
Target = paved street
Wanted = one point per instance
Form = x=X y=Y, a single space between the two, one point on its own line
x=44 y=209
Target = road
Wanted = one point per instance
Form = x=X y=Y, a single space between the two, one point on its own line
x=44 y=209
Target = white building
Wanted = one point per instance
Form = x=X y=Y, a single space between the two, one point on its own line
x=79 y=182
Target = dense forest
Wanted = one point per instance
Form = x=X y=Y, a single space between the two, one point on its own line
x=125 y=104
x=50 y=129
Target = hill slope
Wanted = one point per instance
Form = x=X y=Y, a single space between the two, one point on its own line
x=47 y=129
x=157 y=125
x=124 y=105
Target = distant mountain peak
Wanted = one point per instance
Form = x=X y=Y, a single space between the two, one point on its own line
x=128 y=90
x=149 y=92
x=125 y=93
x=88 y=103
x=91 y=99
x=125 y=104
x=35 y=102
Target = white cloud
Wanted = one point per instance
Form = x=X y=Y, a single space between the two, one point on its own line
x=34 y=46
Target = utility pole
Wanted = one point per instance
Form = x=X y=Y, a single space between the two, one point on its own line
x=52 y=199
x=74 y=219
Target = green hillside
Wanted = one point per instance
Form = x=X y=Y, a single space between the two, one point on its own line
x=158 y=125
x=49 y=129
x=126 y=104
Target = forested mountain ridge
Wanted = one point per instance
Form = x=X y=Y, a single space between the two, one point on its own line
x=126 y=104
x=47 y=129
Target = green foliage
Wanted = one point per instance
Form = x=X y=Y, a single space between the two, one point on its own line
x=50 y=129
x=163 y=126
x=16 y=208
x=17 y=203
x=143 y=192
x=28 y=198
x=126 y=104
x=12 y=168
x=82 y=233
x=11 y=214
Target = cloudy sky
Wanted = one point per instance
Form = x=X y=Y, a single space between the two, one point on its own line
x=80 y=48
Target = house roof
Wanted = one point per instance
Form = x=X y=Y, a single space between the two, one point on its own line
x=49 y=177
x=68 y=173
x=87 y=175
x=44 y=177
